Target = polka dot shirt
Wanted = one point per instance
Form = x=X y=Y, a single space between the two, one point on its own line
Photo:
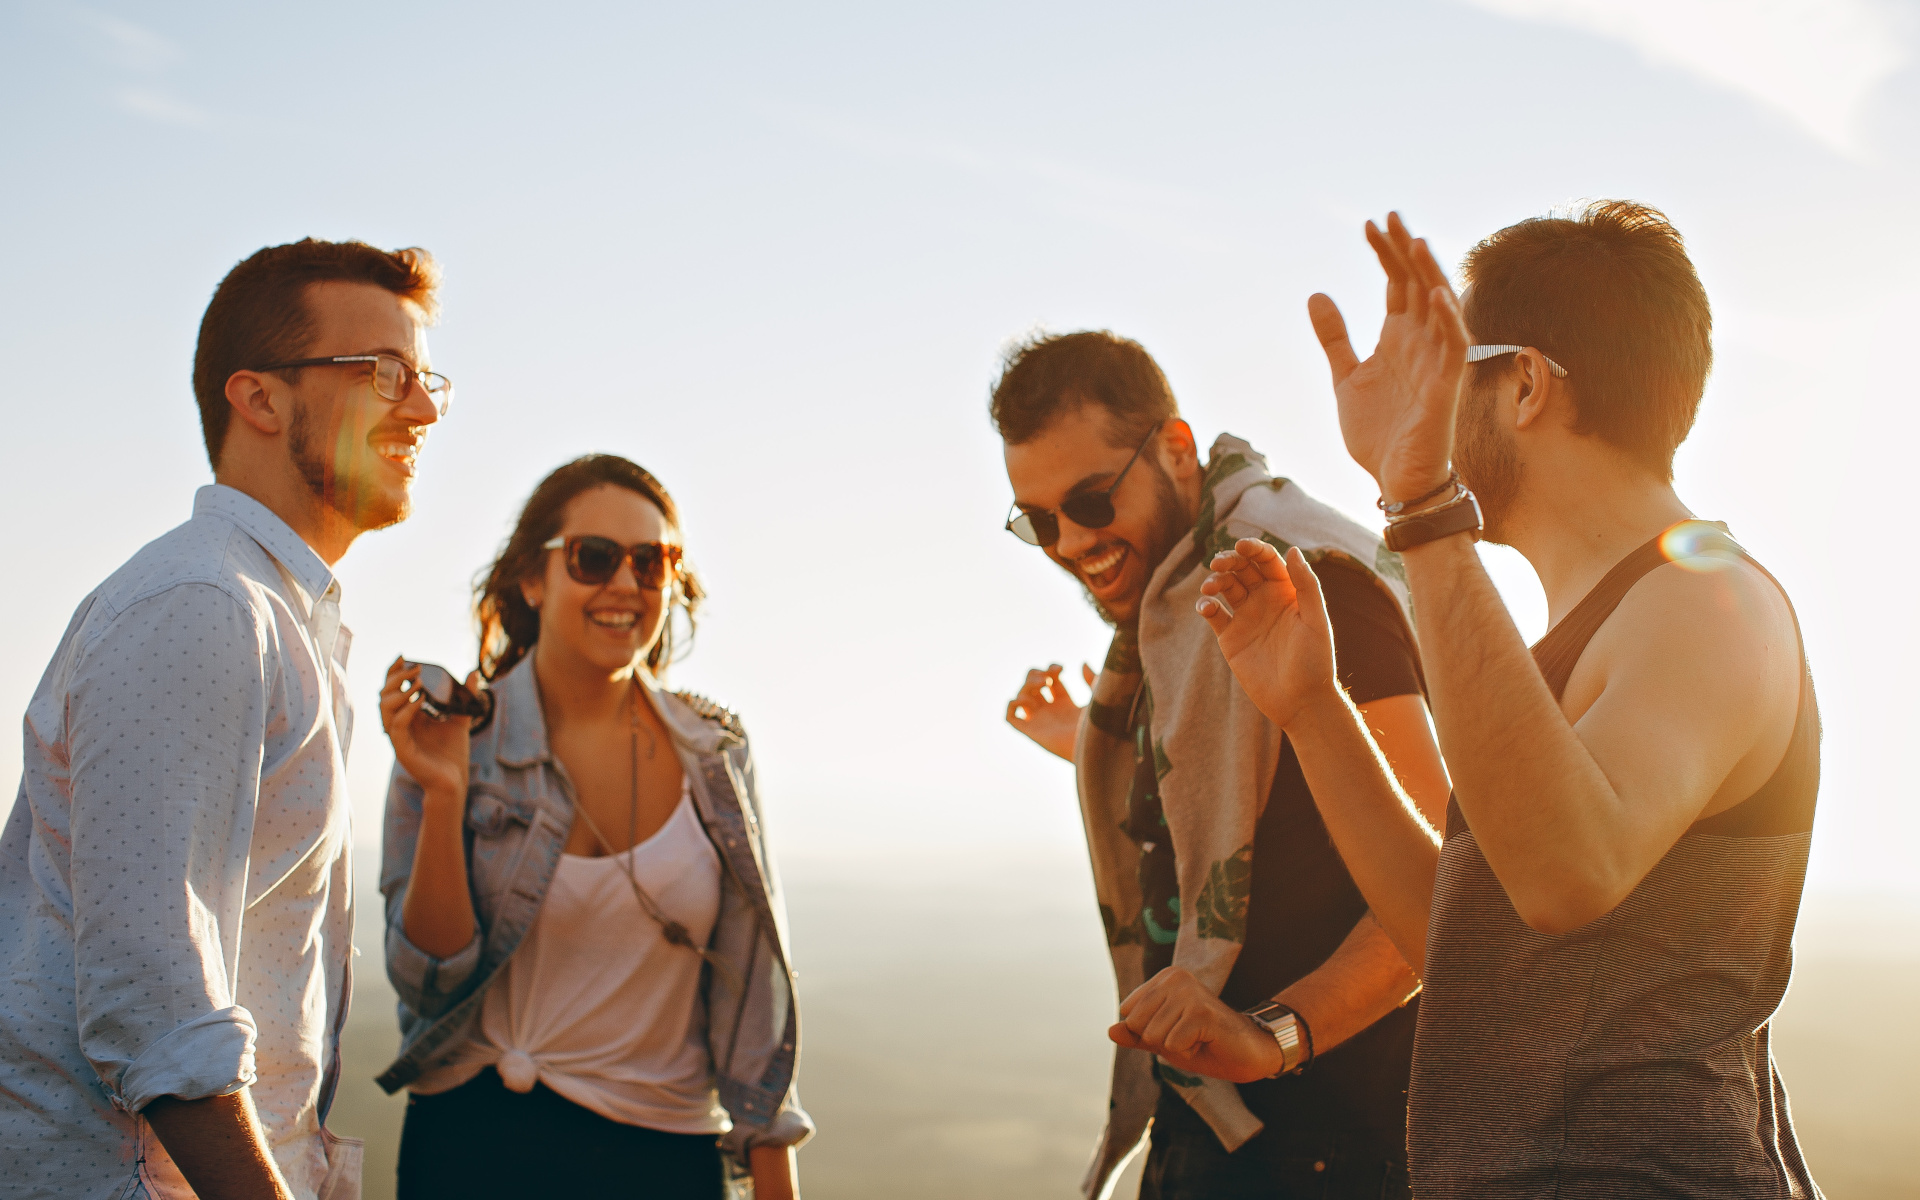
x=174 y=873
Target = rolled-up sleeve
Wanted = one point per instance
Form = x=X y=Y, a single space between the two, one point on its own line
x=168 y=710
x=425 y=984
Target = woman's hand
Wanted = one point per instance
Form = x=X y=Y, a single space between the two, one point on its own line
x=1272 y=627
x=431 y=750
x=774 y=1175
x=1397 y=408
x=1044 y=712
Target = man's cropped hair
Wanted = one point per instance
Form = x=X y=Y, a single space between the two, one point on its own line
x=1608 y=292
x=259 y=312
x=1049 y=374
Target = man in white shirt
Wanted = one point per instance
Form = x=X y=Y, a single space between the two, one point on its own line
x=174 y=957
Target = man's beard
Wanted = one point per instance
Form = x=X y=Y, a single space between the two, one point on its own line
x=327 y=478
x=1166 y=530
x=1485 y=453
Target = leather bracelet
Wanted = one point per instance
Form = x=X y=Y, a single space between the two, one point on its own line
x=1460 y=496
x=1461 y=516
x=1395 y=507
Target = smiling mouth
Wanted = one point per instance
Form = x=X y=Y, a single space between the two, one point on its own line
x=403 y=454
x=1102 y=570
x=614 y=618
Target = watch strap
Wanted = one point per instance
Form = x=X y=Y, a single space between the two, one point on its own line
x=1460 y=516
x=1288 y=1032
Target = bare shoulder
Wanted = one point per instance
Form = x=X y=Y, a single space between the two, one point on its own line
x=1699 y=648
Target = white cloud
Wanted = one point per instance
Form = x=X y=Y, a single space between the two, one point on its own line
x=1173 y=216
x=1813 y=60
x=156 y=105
x=134 y=45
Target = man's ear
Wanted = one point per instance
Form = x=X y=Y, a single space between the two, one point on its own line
x=1538 y=388
x=252 y=398
x=1183 y=453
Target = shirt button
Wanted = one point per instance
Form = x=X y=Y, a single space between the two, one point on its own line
x=1320 y=1166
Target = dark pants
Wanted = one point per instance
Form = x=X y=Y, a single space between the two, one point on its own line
x=481 y=1140
x=1298 y=1164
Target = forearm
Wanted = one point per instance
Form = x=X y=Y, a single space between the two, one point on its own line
x=219 y=1146
x=1388 y=847
x=438 y=913
x=1538 y=804
x=775 y=1176
x=1364 y=980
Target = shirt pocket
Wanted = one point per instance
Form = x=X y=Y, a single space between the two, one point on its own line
x=498 y=823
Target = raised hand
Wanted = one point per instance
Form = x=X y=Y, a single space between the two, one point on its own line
x=433 y=751
x=1397 y=408
x=1044 y=712
x=1271 y=622
x=1174 y=1016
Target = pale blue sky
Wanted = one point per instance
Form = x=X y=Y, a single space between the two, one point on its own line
x=772 y=252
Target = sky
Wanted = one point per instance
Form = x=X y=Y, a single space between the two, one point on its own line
x=774 y=252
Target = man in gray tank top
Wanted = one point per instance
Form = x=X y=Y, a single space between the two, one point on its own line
x=1606 y=923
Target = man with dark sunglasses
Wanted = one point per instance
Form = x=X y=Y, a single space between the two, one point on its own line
x=174 y=966
x=1211 y=865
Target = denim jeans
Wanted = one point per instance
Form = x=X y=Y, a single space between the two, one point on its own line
x=1299 y=1164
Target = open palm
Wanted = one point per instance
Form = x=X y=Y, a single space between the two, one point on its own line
x=1272 y=627
x=1397 y=407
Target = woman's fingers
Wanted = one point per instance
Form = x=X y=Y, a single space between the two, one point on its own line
x=1087 y=673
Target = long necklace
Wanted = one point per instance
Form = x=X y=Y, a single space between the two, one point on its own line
x=671 y=929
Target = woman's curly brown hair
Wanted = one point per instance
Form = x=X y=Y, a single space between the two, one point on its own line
x=509 y=626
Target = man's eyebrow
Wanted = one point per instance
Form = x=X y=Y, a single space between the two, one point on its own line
x=1087 y=482
x=405 y=356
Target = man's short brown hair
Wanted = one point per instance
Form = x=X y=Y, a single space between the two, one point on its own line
x=1608 y=292
x=259 y=312
x=1046 y=375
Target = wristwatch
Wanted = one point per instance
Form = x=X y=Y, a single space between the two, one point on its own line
x=1288 y=1032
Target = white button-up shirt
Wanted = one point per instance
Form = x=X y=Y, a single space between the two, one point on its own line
x=174 y=876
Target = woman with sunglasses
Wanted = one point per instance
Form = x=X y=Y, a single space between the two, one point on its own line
x=583 y=923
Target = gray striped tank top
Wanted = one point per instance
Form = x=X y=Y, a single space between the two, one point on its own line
x=1629 y=1057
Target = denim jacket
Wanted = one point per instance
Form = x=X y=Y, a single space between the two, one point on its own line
x=519 y=813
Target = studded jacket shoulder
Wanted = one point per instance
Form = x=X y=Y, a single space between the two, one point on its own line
x=712 y=710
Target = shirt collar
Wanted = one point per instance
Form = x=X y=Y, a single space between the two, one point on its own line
x=523 y=727
x=275 y=536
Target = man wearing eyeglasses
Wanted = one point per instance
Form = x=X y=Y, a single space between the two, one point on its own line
x=1212 y=868
x=175 y=871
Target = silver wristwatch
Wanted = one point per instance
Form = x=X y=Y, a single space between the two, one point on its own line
x=1288 y=1032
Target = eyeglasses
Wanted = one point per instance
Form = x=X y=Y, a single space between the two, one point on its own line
x=1483 y=353
x=393 y=378
x=595 y=560
x=1089 y=510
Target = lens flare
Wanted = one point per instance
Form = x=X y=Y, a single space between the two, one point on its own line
x=1699 y=546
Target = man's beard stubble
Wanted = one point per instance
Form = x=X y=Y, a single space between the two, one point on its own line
x=1168 y=527
x=1487 y=458
x=331 y=483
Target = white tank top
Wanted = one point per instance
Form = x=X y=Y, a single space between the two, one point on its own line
x=596 y=1003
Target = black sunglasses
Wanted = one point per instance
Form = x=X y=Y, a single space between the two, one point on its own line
x=1089 y=510
x=594 y=560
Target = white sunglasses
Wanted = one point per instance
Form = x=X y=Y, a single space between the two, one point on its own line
x=1482 y=353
